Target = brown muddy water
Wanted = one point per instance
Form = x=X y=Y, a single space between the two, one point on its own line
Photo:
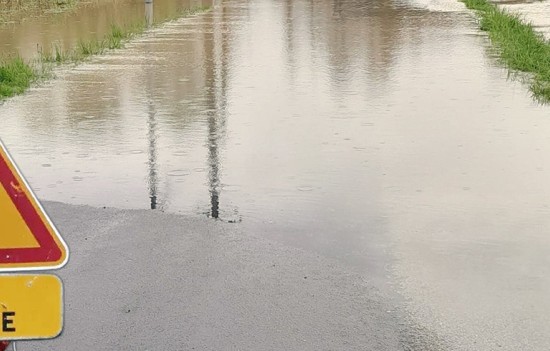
x=91 y=20
x=376 y=132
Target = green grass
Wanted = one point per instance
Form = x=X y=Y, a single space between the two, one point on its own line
x=16 y=76
x=90 y=47
x=519 y=46
x=116 y=36
x=114 y=39
x=193 y=11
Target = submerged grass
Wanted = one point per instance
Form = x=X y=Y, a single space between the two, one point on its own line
x=114 y=39
x=16 y=75
x=520 y=47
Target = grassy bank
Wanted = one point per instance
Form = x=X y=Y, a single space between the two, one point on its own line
x=114 y=39
x=16 y=75
x=520 y=47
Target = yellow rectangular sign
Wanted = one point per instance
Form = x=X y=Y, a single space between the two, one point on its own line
x=31 y=307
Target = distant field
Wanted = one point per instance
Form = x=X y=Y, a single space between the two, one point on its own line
x=16 y=10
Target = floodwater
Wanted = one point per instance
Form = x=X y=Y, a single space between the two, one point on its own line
x=381 y=133
x=91 y=20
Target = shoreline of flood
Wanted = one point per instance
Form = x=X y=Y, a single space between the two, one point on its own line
x=519 y=46
x=17 y=75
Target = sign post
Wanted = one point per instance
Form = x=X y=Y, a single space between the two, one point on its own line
x=31 y=305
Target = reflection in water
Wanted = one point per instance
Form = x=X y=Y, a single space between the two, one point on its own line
x=149 y=12
x=213 y=161
x=152 y=151
x=151 y=121
x=153 y=180
x=216 y=71
x=212 y=121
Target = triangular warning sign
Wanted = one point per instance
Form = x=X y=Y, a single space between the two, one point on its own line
x=28 y=238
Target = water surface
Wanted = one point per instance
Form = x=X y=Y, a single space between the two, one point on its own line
x=89 y=20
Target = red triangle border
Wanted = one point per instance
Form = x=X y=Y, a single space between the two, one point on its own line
x=48 y=250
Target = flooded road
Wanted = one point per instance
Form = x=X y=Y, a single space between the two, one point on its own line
x=379 y=133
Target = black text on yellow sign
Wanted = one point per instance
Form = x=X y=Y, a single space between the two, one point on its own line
x=31 y=307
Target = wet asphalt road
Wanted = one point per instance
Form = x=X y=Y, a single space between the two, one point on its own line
x=207 y=285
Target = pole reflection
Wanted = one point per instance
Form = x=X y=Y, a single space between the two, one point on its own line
x=152 y=155
x=216 y=71
x=149 y=13
x=152 y=163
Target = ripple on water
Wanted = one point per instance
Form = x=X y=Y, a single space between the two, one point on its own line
x=230 y=187
x=179 y=173
x=179 y=153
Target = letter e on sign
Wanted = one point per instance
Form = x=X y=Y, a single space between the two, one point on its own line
x=31 y=307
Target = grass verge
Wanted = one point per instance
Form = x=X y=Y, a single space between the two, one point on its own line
x=520 y=47
x=16 y=75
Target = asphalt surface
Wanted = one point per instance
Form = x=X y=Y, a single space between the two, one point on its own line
x=146 y=280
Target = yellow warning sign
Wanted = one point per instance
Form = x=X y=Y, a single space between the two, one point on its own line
x=31 y=307
x=12 y=222
x=29 y=240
